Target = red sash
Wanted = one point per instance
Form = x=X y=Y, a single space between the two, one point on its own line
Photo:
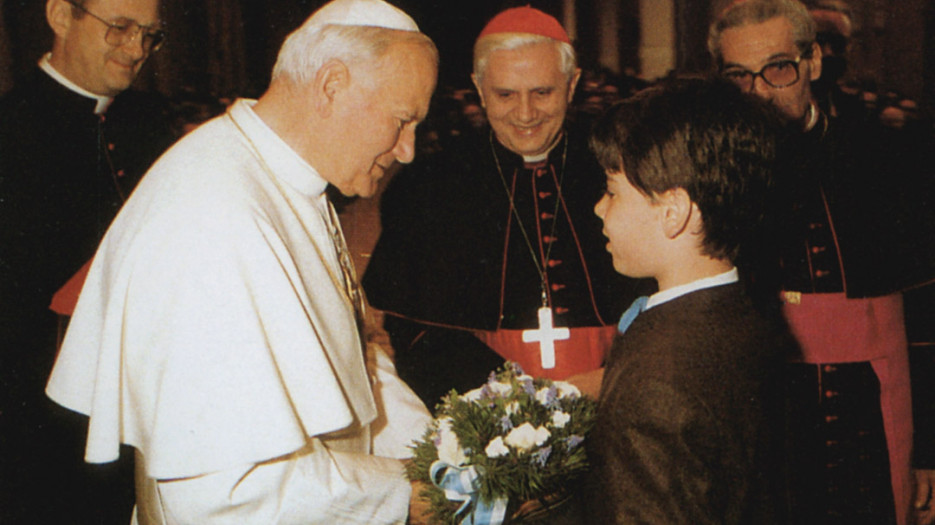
x=831 y=328
x=582 y=352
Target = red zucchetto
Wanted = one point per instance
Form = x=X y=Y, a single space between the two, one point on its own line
x=526 y=20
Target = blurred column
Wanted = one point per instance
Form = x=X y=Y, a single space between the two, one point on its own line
x=692 y=20
x=928 y=85
x=6 y=56
x=903 y=54
x=608 y=30
x=657 y=38
x=570 y=19
x=608 y=34
x=206 y=51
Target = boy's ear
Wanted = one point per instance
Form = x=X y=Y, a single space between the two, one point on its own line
x=677 y=212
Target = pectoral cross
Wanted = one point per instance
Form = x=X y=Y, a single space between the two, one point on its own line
x=546 y=335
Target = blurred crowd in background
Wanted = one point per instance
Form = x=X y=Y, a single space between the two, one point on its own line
x=456 y=109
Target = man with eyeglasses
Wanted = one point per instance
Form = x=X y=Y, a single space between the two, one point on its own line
x=843 y=250
x=74 y=141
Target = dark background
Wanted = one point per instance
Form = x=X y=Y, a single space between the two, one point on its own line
x=226 y=48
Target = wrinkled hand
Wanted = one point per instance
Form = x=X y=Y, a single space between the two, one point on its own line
x=923 y=504
x=418 y=506
x=589 y=383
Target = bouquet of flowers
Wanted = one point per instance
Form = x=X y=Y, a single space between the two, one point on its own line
x=514 y=441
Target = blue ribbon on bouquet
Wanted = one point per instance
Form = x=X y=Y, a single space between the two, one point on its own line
x=462 y=484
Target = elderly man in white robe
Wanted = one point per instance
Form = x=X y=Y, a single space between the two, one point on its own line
x=219 y=332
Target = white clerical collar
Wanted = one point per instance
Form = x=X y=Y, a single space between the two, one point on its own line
x=728 y=277
x=811 y=118
x=102 y=101
x=535 y=159
x=282 y=160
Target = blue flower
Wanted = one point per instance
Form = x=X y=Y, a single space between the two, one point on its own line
x=547 y=396
x=485 y=392
x=528 y=386
x=541 y=456
x=573 y=441
x=506 y=424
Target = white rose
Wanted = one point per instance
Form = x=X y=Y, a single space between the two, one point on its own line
x=525 y=436
x=560 y=419
x=449 y=449
x=566 y=389
x=542 y=396
x=496 y=448
x=473 y=395
x=511 y=408
x=499 y=388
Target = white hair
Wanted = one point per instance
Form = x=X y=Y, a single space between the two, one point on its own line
x=487 y=44
x=312 y=45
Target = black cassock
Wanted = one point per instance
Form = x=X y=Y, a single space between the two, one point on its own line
x=854 y=215
x=64 y=173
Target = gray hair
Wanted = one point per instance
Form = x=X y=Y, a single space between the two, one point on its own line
x=312 y=45
x=500 y=41
x=757 y=12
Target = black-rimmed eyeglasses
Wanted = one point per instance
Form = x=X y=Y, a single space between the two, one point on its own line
x=125 y=30
x=778 y=74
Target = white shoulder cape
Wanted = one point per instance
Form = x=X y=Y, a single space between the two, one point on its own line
x=211 y=331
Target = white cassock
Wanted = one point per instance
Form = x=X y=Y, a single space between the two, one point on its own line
x=214 y=335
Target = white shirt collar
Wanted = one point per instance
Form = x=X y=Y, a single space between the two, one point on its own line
x=281 y=159
x=728 y=277
x=102 y=101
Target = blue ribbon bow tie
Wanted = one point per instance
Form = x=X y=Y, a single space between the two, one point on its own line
x=462 y=484
x=630 y=314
